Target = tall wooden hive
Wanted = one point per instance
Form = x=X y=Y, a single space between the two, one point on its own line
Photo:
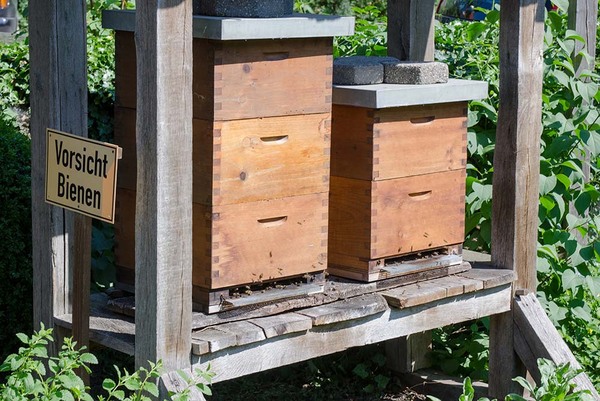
x=261 y=149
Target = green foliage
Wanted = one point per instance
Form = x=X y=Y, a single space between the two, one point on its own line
x=568 y=267
x=338 y=7
x=462 y=350
x=555 y=384
x=15 y=235
x=370 y=34
x=33 y=375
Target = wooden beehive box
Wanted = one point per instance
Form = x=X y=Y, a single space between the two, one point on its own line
x=398 y=179
x=261 y=152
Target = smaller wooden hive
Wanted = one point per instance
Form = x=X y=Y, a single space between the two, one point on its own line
x=398 y=166
x=261 y=148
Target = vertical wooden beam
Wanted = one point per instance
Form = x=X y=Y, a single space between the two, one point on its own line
x=410 y=353
x=163 y=251
x=516 y=172
x=583 y=17
x=411 y=29
x=82 y=262
x=58 y=82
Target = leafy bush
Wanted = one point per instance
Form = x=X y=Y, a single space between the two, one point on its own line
x=33 y=375
x=568 y=266
x=15 y=235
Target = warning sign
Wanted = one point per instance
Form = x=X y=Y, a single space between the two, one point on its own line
x=81 y=174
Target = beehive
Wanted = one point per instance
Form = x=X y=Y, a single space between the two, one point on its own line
x=261 y=153
x=398 y=178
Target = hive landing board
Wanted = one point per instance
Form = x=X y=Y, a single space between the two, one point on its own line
x=81 y=174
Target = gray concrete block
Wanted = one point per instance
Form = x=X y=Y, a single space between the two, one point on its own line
x=411 y=73
x=359 y=70
x=244 y=8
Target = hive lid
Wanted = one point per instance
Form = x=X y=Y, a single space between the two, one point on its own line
x=381 y=96
x=228 y=28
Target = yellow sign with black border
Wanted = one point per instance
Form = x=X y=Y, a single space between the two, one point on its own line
x=81 y=174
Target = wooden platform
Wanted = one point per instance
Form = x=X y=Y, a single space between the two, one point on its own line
x=345 y=315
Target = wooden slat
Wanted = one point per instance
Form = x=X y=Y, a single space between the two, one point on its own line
x=334 y=290
x=245 y=332
x=411 y=29
x=516 y=171
x=488 y=280
x=163 y=283
x=216 y=339
x=200 y=347
x=279 y=325
x=416 y=294
x=323 y=340
x=58 y=100
x=346 y=310
x=542 y=340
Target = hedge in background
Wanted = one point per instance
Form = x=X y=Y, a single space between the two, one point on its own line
x=15 y=237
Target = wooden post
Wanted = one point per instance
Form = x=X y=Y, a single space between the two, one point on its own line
x=583 y=17
x=409 y=354
x=58 y=82
x=411 y=29
x=516 y=172
x=163 y=250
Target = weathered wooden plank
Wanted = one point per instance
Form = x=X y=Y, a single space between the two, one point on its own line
x=334 y=290
x=503 y=276
x=217 y=339
x=163 y=256
x=58 y=100
x=411 y=29
x=245 y=332
x=583 y=17
x=409 y=353
x=200 y=347
x=321 y=340
x=516 y=171
x=415 y=294
x=82 y=255
x=544 y=341
x=348 y=309
x=279 y=325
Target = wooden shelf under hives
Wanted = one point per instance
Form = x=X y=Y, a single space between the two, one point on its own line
x=253 y=339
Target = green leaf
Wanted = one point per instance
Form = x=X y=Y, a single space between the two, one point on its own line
x=571 y=280
x=152 y=388
x=108 y=384
x=88 y=358
x=547 y=184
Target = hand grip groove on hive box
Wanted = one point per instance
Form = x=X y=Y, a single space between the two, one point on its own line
x=419 y=196
x=276 y=56
x=422 y=120
x=274 y=140
x=272 y=221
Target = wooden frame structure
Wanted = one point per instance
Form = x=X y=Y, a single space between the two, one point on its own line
x=164 y=319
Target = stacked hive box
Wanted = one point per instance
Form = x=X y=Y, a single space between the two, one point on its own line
x=398 y=167
x=261 y=158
